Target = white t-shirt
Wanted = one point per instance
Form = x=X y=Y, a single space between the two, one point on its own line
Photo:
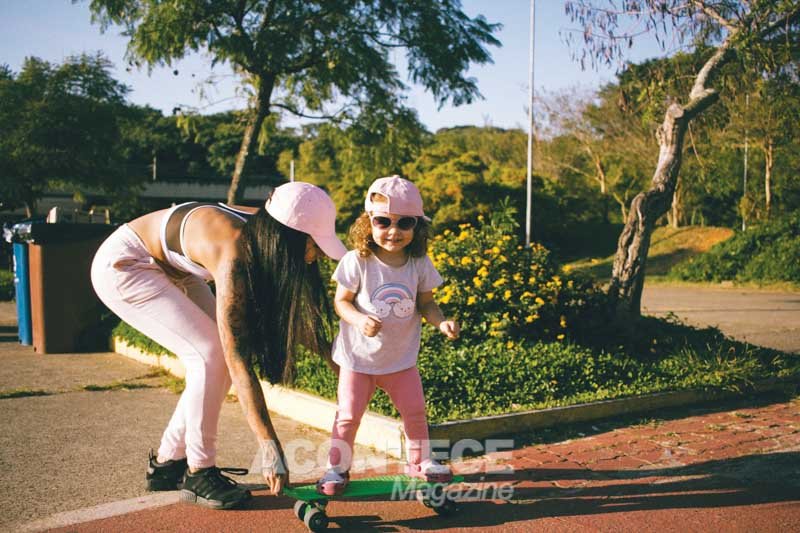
x=389 y=293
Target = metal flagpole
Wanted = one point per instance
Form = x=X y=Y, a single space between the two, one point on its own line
x=528 y=211
x=744 y=179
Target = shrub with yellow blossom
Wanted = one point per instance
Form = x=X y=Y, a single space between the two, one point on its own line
x=498 y=288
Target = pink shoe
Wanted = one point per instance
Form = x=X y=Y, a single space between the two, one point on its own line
x=333 y=483
x=431 y=471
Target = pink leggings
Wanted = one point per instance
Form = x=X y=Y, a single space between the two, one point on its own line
x=354 y=393
x=180 y=315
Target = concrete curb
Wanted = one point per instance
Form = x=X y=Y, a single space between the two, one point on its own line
x=386 y=434
x=487 y=426
x=383 y=433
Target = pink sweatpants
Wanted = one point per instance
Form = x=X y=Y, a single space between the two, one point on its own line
x=354 y=393
x=180 y=315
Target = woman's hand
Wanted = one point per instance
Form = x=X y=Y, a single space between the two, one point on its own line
x=450 y=328
x=273 y=466
x=370 y=325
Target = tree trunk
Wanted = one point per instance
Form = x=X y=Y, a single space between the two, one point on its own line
x=768 y=161
x=601 y=177
x=258 y=113
x=627 y=277
x=676 y=212
x=622 y=207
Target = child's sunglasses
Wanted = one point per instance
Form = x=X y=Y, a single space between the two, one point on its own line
x=404 y=223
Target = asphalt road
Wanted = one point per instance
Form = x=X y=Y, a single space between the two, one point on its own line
x=765 y=318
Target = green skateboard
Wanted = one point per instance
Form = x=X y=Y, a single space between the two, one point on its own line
x=310 y=505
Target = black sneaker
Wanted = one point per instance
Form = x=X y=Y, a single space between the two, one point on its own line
x=165 y=476
x=209 y=488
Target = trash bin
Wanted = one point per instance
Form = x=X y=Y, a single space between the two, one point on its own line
x=65 y=312
x=22 y=293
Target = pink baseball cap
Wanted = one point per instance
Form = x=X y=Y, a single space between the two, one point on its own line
x=307 y=208
x=403 y=197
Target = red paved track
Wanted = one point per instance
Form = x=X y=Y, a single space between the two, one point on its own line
x=731 y=468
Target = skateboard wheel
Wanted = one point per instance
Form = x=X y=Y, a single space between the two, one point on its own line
x=300 y=508
x=316 y=520
x=422 y=498
x=445 y=509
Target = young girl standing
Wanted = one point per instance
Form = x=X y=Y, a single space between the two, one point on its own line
x=384 y=288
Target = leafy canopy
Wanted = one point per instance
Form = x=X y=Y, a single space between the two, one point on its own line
x=58 y=127
x=313 y=52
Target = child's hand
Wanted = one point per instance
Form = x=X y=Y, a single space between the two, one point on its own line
x=370 y=325
x=450 y=328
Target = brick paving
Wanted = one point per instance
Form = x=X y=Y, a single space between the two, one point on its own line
x=727 y=467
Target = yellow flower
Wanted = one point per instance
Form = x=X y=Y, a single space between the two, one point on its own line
x=464 y=235
x=560 y=336
x=486 y=262
x=563 y=321
x=495 y=325
x=471 y=300
x=506 y=237
x=539 y=301
x=466 y=260
x=490 y=296
x=447 y=232
x=510 y=344
x=507 y=294
x=446 y=298
x=477 y=281
x=495 y=250
x=483 y=272
x=505 y=315
x=517 y=277
x=499 y=282
x=531 y=318
x=480 y=217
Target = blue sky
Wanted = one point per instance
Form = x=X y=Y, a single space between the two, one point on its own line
x=55 y=29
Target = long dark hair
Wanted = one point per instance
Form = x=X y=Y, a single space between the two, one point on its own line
x=285 y=302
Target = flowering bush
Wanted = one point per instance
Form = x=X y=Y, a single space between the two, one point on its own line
x=498 y=288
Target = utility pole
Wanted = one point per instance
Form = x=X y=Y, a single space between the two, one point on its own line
x=529 y=206
x=744 y=179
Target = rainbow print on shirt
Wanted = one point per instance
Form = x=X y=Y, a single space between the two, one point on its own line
x=393 y=298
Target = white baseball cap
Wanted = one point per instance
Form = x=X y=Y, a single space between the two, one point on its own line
x=307 y=208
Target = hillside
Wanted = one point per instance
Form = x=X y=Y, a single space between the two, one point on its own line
x=668 y=247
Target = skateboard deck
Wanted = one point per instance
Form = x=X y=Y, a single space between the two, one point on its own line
x=310 y=505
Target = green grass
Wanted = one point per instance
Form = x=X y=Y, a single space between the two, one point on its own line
x=23 y=393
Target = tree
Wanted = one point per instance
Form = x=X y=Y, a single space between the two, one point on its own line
x=300 y=56
x=595 y=138
x=58 y=128
x=767 y=112
x=762 y=33
x=345 y=160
